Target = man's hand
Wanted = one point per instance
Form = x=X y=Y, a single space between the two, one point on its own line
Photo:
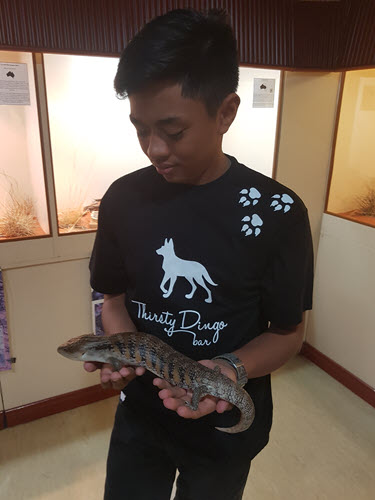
x=111 y=379
x=174 y=398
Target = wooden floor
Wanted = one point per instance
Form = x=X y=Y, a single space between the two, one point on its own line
x=322 y=447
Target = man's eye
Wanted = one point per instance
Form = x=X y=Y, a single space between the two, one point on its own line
x=176 y=136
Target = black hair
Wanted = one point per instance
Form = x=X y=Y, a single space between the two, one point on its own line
x=196 y=50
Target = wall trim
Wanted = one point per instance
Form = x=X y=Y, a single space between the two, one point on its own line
x=55 y=404
x=81 y=397
x=346 y=378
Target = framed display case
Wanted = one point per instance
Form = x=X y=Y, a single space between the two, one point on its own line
x=23 y=200
x=93 y=141
x=352 y=185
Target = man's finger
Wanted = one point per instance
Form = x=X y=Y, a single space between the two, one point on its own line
x=90 y=367
x=125 y=371
x=223 y=406
x=167 y=390
x=161 y=383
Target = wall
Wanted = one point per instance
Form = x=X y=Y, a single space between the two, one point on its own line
x=341 y=322
x=251 y=137
x=307 y=125
x=46 y=305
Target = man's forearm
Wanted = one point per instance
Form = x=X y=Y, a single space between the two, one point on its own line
x=270 y=350
x=115 y=317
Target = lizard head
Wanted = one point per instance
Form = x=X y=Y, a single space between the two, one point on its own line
x=84 y=348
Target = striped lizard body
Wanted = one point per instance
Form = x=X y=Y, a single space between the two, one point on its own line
x=142 y=349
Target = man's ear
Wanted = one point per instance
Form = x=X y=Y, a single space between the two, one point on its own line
x=227 y=112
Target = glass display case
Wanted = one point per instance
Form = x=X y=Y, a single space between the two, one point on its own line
x=93 y=141
x=23 y=201
x=352 y=188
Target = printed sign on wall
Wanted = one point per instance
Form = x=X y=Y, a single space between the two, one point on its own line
x=14 y=84
x=264 y=92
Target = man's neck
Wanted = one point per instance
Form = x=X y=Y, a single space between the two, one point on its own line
x=216 y=170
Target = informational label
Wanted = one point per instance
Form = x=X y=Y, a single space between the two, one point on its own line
x=14 y=84
x=5 y=361
x=264 y=92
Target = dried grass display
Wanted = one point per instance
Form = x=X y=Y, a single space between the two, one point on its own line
x=366 y=203
x=18 y=219
x=70 y=218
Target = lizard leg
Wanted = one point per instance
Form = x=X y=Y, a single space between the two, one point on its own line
x=198 y=393
x=117 y=365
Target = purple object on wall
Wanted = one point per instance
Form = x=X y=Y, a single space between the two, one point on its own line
x=97 y=304
x=5 y=363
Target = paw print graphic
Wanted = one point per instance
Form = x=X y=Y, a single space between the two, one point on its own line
x=281 y=201
x=251 y=198
x=253 y=226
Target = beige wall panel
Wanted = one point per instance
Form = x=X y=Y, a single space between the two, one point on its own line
x=307 y=126
x=341 y=324
x=47 y=305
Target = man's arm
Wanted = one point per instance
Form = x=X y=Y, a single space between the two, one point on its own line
x=115 y=319
x=271 y=350
x=261 y=356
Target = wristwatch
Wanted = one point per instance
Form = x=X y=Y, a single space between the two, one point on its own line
x=237 y=365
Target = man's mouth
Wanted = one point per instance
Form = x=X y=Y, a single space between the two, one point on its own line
x=163 y=169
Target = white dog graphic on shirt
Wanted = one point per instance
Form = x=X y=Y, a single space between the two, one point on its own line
x=175 y=267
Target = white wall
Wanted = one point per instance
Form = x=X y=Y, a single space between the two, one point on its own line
x=342 y=322
x=46 y=305
x=251 y=137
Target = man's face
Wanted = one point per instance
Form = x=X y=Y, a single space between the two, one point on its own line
x=176 y=133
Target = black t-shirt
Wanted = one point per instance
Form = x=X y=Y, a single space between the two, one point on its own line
x=205 y=268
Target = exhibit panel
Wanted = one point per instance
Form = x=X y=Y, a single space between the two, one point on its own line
x=23 y=202
x=352 y=188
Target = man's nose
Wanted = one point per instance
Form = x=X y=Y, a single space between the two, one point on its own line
x=157 y=149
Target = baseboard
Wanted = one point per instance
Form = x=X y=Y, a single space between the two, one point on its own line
x=339 y=373
x=81 y=397
x=56 y=404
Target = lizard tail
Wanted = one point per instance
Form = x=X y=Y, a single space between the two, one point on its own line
x=245 y=404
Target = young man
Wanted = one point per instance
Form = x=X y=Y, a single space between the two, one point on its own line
x=204 y=253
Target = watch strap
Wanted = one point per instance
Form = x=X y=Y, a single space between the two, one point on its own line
x=237 y=364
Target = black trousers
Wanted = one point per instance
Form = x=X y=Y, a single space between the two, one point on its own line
x=143 y=458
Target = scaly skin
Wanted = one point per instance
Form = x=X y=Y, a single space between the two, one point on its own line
x=142 y=349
